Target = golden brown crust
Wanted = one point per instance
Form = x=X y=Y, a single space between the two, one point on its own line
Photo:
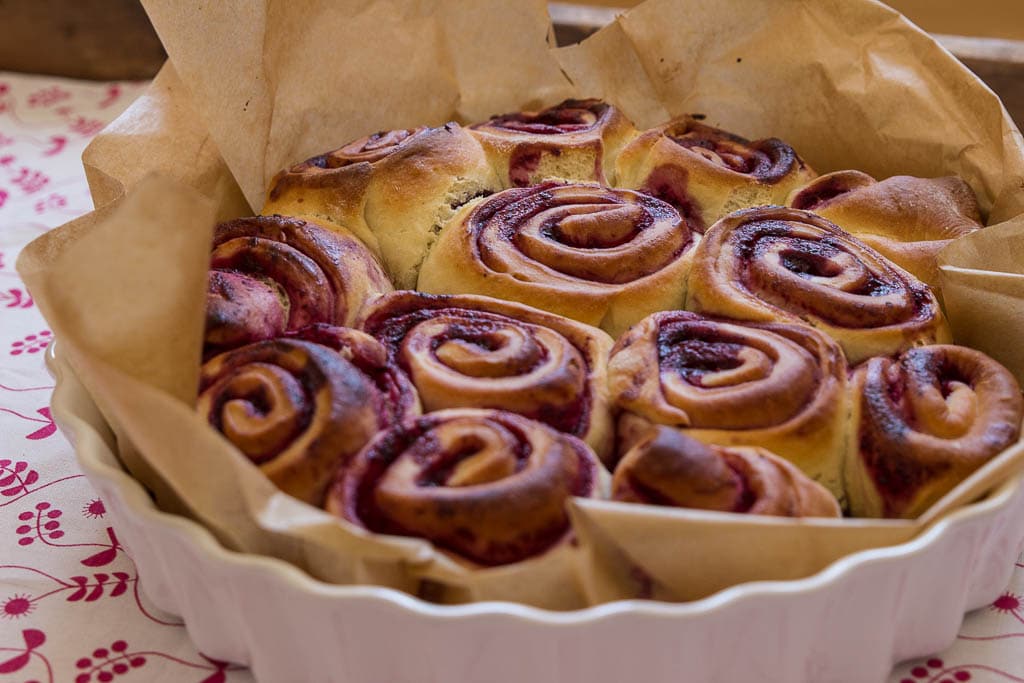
x=602 y=256
x=780 y=264
x=923 y=422
x=488 y=485
x=706 y=172
x=573 y=140
x=298 y=409
x=271 y=275
x=465 y=351
x=357 y=186
x=775 y=385
x=908 y=220
x=670 y=468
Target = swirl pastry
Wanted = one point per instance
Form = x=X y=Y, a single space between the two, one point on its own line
x=298 y=410
x=775 y=385
x=908 y=220
x=487 y=485
x=670 y=468
x=774 y=263
x=271 y=274
x=602 y=256
x=476 y=352
x=393 y=189
x=922 y=423
x=574 y=140
x=707 y=173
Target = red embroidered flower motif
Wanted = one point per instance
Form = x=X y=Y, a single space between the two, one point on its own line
x=94 y=509
x=57 y=143
x=30 y=181
x=16 y=606
x=15 y=298
x=33 y=640
x=113 y=93
x=48 y=96
x=114 y=662
x=86 y=127
x=934 y=670
x=51 y=203
x=1007 y=603
x=33 y=343
x=46 y=525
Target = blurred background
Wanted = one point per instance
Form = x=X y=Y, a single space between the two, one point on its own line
x=113 y=40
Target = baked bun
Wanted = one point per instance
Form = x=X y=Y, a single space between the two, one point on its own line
x=574 y=140
x=778 y=264
x=270 y=275
x=706 y=172
x=300 y=410
x=670 y=468
x=923 y=421
x=602 y=256
x=394 y=190
x=486 y=485
x=906 y=219
x=465 y=351
x=775 y=385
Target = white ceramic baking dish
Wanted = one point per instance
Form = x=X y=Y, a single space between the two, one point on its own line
x=851 y=622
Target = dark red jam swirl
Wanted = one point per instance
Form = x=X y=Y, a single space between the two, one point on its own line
x=721 y=375
x=819 y=192
x=768 y=161
x=488 y=485
x=807 y=266
x=930 y=411
x=577 y=232
x=296 y=408
x=571 y=116
x=463 y=356
x=672 y=469
x=271 y=275
x=368 y=149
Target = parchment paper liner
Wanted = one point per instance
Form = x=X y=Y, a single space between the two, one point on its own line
x=122 y=287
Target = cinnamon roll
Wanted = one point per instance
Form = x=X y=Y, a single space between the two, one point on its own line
x=486 y=485
x=299 y=410
x=908 y=220
x=923 y=421
x=707 y=173
x=672 y=469
x=574 y=140
x=271 y=274
x=602 y=256
x=467 y=351
x=775 y=385
x=780 y=264
x=393 y=189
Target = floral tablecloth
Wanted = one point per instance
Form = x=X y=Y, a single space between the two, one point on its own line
x=71 y=605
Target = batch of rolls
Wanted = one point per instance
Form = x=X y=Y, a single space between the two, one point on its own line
x=447 y=332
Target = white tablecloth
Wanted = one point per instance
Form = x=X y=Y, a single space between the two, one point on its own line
x=71 y=605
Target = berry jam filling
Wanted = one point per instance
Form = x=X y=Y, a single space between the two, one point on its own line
x=572 y=116
x=821 y=192
x=691 y=358
x=768 y=161
x=439 y=466
x=808 y=264
x=669 y=184
x=392 y=325
x=610 y=226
